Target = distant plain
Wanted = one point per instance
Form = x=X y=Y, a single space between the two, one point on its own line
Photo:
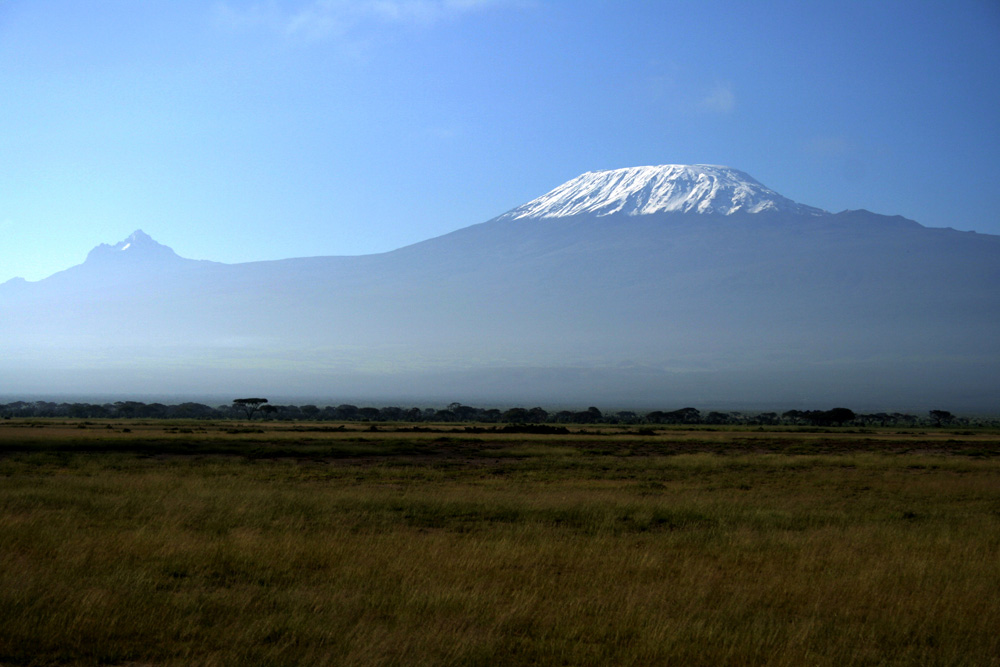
x=223 y=543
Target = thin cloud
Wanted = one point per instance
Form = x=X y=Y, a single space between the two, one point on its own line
x=321 y=19
x=828 y=145
x=721 y=99
x=243 y=18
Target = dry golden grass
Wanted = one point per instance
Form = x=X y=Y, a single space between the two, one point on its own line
x=502 y=550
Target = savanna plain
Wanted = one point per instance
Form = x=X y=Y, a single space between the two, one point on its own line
x=271 y=543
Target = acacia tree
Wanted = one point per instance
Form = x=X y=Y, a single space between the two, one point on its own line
x=941 y=417
x=249 y=405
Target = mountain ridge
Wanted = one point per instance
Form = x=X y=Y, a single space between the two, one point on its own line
x=849 y=308
x=712 y=191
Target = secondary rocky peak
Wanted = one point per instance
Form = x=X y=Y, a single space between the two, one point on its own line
x=137 y=239
x=138 y=246
x=700 y=188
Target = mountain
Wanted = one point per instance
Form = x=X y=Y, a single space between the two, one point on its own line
x=680 y=188
x=139 y=247
x=640 y=287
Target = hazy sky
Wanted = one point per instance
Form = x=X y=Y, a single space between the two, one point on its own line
x=246 y=130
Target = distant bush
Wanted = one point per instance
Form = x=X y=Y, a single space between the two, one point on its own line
x=457 y=412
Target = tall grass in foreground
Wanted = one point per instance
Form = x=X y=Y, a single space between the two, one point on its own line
x=550 y=556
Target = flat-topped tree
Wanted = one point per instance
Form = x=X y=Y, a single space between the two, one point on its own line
x=941 y=417
x=249 y=405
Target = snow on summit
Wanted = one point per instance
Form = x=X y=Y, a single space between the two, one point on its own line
x=696 y=188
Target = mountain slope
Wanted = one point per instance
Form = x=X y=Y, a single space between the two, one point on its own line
x=641 y=287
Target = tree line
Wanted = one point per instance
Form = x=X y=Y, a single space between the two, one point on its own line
x=260 y=408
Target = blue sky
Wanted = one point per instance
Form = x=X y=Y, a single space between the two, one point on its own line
x=247 y=130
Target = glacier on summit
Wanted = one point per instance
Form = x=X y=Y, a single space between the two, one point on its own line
x=699 y=188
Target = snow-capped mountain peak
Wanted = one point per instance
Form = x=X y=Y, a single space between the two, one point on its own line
x=700 y=188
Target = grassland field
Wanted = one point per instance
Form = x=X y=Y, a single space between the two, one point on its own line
x=270 y=543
